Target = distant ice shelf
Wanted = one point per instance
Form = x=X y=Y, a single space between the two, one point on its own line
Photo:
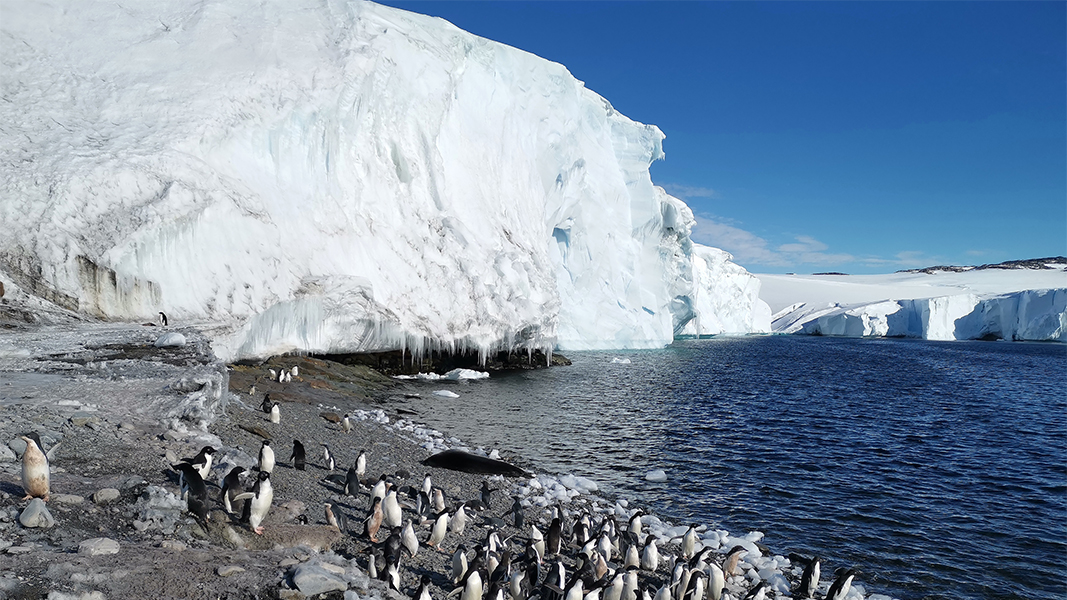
x=313 y=176
x=1016 y=304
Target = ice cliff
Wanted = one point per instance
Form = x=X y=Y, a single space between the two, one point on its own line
x=1017 y=304
x=327 y=176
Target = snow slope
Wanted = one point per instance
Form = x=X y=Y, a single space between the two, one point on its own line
x=1011 y=304
x=328 y=176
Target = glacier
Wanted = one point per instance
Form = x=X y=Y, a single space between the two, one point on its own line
x=337 y=176
x=990 y=304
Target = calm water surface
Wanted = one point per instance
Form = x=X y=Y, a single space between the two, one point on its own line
x=938 y=469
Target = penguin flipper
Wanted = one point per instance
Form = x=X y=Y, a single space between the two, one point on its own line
x=243 y=496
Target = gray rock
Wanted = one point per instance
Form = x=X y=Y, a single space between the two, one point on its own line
x=19 y=549
x=18 y=445
x=36 y=515
x=7 y=455
x=56 y=595
x=105 y=495
x=67 y=499
x=227 y=570
x=81 y=419
x=313 y=580
x=98 y=546
x=171 y=339
x=174 y=545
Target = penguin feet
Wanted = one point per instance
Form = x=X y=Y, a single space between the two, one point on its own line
x=258 y=530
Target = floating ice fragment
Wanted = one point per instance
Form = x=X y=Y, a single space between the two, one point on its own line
x=656 y=475
x=446 y=394
x=457 y=374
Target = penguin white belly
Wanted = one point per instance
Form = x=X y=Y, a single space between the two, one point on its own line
x=266 y=460
x=35 y=472
x=260 y=506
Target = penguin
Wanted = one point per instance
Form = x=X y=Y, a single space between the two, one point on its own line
x=394 y=516
x=351 y=482
x=193 y=490
x=554 y=537
x=298 y=458
x=328 y=457
x=266 y=457
x=407 y=537
x=695 y=589
x=394 y=544
x=517 y=584
x=757 y=593
x=689 y=541
x=346 y=423
x=295 y=371
x=373 y=522
x=633 y=557
x=574 y=590
x=538 y=542
x=629 y=584
x=231 y=487
x=459 y=520
x=459 y=563
x=614 y=590
x=392 y=573
x=438 y=499
x=263 y=495
x=380 y=487
x=472 y=588
x=635 y=523
x=202 y=461
x=336 y=518
x=516 y=512
x=35 y=471
x=664 y=592
x=372 y=563
x=487 y=493
x=716 y=581
x=361 y=464
x=273 y=375
x=162 y=319
x=423 y=591
x=809 y=581
x=438 y=531
x=275 y=413
x=266 y=404
x=252 y=390
x=729 y=564
x=650 y=555
x=841 y=586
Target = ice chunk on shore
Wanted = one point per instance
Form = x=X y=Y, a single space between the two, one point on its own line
x=446 y=394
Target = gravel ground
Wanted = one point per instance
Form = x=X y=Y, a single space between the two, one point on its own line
x=115 y=412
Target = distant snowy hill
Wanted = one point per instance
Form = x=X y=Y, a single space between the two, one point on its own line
x=1023 y=300
x=330 y=176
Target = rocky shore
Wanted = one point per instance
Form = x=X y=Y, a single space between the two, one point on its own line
x=115 y=405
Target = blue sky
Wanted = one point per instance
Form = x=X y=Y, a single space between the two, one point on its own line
x=807 y=137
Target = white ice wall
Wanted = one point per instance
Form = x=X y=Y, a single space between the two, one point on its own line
x=336 y=176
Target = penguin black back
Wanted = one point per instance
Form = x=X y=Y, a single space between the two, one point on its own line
x=298 y=458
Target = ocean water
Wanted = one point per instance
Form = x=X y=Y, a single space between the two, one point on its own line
x=938 y=469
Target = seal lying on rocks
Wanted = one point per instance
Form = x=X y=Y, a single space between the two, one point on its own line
x=458 y=460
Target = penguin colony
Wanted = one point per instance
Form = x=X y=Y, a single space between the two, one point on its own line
x=555 y=555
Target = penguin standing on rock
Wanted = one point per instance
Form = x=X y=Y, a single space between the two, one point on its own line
x=262 y=496
x=162 y=319
x=757 y=593
x=729 y=564
x=193 y=489
x=438 y=531
x=266 y=457
x=328 y=457
x=373 y=522
x=231 y=487
x=275 y=413
x=298 y=457
x=202 y=461
x=266 y=404
x=35 y=471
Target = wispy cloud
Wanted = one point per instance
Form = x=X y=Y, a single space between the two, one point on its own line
x=750 y=249
x=686 y=192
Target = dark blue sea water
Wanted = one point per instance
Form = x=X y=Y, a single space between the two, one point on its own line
x=939 y=469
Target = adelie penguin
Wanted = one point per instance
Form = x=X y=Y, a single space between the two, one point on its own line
x=262 y=496
x=202 y=461
x=298 y=458
x=809 y=581
x=162 y=319
x=729 y=563
x=275 y=413
x=193 y=489
x=231 y=487
x=266 y=457
x=35 y=471
x=327 y=456
x=757 y=593
x=841 y=586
